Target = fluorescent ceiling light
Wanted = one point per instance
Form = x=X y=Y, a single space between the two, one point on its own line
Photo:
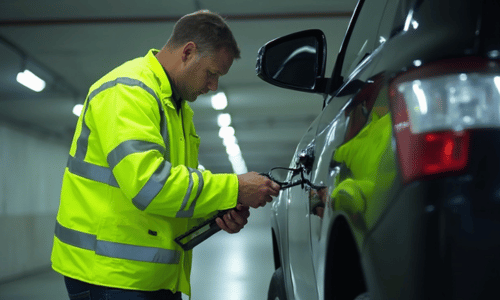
x=219 y=101
x=229 y=140
x=224 y=120
x=226 y=132
x=233 y=150
x=77 y=109
x=238 y=164
x=30 y=80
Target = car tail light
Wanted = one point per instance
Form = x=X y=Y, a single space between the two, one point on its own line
x=434 y=109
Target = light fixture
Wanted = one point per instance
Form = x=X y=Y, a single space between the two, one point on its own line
x=219 y=101
x=77 y=109
x=30 y=80
x=229 y=140
x=233 y=150
x=225 y=132
x=34 y=82
x=224 y=120
x=238 y=164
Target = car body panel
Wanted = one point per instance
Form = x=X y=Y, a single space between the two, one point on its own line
x=413 y=238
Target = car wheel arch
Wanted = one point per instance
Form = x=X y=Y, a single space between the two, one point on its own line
x=344 y=277
x=276 y=252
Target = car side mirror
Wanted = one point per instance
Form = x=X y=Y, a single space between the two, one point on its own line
x=296 y=61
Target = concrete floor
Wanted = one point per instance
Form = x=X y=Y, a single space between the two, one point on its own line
x=236 y=267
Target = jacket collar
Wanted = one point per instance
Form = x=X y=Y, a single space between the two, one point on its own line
x=167 y=89
x=161 y=75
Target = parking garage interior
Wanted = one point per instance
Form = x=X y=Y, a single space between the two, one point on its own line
x=70 y=45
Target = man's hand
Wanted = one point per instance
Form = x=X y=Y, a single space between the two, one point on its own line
x=235 y=219
x=256 y=190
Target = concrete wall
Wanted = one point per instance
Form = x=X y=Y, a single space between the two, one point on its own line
x=31 y=169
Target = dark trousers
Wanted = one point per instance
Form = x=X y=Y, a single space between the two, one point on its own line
x=79 y=290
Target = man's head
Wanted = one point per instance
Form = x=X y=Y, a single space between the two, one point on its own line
x=200 y=50
x=207 y=30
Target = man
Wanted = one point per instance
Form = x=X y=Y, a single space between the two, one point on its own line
x=131 y=184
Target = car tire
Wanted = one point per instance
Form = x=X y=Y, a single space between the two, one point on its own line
x=277 y=286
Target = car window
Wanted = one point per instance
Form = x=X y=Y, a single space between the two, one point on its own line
x=364 y=37
x=358 y=113
x=364 y=159
x=386 y=28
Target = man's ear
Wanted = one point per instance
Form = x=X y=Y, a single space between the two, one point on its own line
x=189 y=51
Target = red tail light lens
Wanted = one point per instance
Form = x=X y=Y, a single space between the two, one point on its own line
x=444 y=151
x=435 y=107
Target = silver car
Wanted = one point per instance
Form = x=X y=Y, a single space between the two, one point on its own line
x=394 y=190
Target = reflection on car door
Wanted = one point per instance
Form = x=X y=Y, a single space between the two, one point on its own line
x=360 y=93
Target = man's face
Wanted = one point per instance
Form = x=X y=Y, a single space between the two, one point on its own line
x=202 y=72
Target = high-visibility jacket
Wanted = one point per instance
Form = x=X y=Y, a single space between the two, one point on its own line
x=131 y=185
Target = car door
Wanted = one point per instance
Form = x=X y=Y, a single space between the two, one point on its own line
x=300 y=254
x=347 y=113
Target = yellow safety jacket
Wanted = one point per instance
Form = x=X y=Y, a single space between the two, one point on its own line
x=131 y=185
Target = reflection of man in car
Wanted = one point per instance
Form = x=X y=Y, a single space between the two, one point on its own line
x=367 y=169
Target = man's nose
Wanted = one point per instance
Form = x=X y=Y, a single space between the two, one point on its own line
x=213 y=84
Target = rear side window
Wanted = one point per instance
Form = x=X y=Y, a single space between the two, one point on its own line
x=364 y=38
x=392 y=21
x=373 y=28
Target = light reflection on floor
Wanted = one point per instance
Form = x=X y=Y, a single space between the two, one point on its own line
x=237 y=266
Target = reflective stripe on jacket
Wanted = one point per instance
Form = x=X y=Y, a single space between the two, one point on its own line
x=131 y=185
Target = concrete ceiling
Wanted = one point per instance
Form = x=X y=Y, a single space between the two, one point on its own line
x=71 y=44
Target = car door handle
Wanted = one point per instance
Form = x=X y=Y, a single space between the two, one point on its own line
x=306 y=159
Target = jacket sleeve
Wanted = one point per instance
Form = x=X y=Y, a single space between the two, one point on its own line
x=126 y=121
